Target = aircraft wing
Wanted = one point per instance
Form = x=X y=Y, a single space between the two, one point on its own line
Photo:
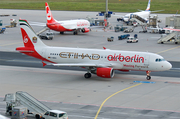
x=157 y=11
x=171 y=29
x=140 y=10
x=37 y=24
x=113 y=65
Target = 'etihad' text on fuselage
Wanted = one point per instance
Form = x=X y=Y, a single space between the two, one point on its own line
x=76 y=55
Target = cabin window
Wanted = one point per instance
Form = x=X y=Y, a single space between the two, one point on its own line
x=53 y=114
x=47 y=113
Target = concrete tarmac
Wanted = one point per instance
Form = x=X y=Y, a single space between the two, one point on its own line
x=81 y=98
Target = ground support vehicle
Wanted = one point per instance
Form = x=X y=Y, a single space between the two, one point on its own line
x=2 y=30
x=34 y=107
x=55 y=114
x=129 y=30
x=173 y=37
x=110 y=39
x=13 y=23
x=118 y=28
x=132 y=40
x=47 y=35
x=121 y=37
x=119 y=19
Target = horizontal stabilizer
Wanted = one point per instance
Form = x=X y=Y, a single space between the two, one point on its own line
x=25 y=49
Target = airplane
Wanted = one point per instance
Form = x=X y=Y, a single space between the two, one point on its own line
x=143 y=14
x=68 y=25
x=75 y=26
x=101 y=62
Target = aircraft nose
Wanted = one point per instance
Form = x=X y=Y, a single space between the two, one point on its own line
x=168 y=65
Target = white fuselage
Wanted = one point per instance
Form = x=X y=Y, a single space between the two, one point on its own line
x=75 y=24
x=109 y=58
x=143 y=14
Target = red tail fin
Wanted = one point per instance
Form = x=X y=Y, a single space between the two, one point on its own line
x=26 y=40
x=49 y=16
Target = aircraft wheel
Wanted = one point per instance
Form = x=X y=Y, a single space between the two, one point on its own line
x=87 y=75
x=148 y=77
x=75 y=32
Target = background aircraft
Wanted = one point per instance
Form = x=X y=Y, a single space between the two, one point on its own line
x=144 y=14
x=68 y=25
x=75 y=26
x=101 y=62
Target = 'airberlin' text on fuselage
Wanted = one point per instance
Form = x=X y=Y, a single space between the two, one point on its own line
x=82 y=23
x=122 y=58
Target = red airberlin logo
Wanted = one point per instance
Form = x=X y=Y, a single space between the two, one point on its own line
x=82 y=23
x=48 y=13
x=121 y=58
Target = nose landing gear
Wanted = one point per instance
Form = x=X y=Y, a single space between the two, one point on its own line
x=148 y=75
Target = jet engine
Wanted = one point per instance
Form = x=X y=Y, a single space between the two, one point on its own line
x=85 y=30
x=105 y=72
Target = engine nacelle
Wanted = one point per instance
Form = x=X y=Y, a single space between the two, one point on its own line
x=85 y=30
x=105 y=72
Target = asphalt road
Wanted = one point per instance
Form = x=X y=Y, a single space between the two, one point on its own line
x=18 y=59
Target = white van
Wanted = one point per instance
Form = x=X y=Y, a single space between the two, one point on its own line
x=55 y=114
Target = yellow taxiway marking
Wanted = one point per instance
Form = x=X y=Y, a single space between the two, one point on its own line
x=167 y=50
x=112 y=96
x=11 y=44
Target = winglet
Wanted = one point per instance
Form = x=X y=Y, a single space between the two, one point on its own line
x=104 y=48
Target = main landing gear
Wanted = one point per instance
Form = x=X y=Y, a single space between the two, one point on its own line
x=87 y=75
x=61 y=33
x=148 y=75
x=75 y=32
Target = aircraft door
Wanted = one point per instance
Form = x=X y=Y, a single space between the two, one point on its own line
x=146 y=60
x=43 y=53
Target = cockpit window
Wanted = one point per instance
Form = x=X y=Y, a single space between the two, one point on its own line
x=159 y=60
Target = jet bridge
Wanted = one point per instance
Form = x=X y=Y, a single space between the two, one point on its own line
x=34 y=106
x=172 y=37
